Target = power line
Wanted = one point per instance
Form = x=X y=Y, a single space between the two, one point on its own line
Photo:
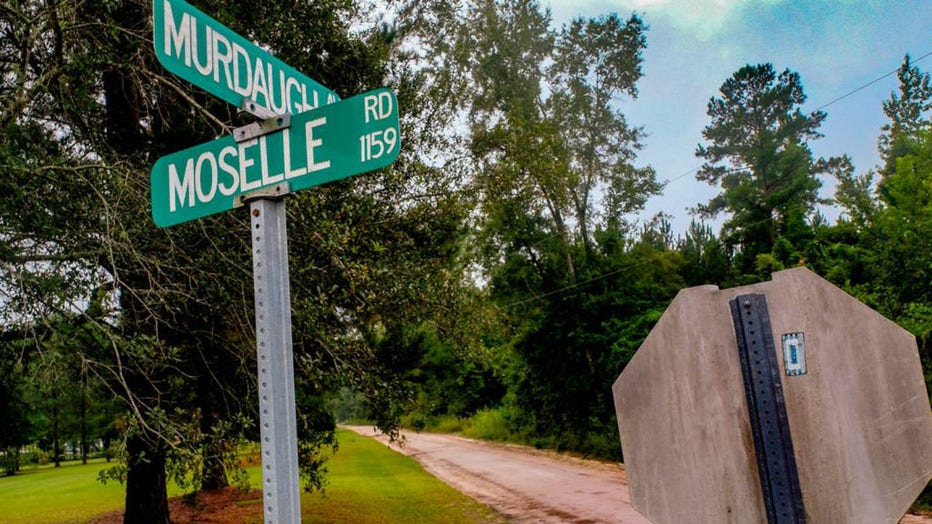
x=823 y=106
x=872 y=82
x=583 y=283
x=674 y=179
x=647 y=260
x=678 y=177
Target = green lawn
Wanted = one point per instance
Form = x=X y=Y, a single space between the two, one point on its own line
x=70 y=493
x=371 y=484
x=368 y=483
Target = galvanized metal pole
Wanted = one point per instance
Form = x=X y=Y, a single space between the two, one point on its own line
x=278 y=428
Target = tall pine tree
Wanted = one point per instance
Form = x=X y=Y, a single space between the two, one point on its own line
x=757 y=151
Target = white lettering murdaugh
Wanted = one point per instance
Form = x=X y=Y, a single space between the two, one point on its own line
x=228 y=170
x=228 y=63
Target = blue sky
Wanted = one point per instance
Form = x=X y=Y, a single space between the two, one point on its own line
x=695 y=45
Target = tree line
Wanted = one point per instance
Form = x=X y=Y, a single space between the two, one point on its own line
x=496 y=272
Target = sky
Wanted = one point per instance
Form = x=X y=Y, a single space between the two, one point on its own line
x=693 y=46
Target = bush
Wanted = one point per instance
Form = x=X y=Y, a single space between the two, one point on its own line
x=489 y=424
x=447 y=424
x=602 y=445
x=36 y=456
x=924 y=502
x=416 y=421
x=9 y=461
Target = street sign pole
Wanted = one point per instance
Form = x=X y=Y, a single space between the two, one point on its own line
x=278 y=426
x=308 y=138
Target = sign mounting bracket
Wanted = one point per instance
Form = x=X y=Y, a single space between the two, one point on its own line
x=265 y=127
x=256 y=110
x=276 y=192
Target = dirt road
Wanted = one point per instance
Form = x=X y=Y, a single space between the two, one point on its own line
x=526 y=485
x=523 y=484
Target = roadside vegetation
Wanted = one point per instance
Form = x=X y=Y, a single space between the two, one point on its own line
x=370 y=483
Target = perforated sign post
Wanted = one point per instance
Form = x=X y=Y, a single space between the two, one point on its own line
x=309 y=137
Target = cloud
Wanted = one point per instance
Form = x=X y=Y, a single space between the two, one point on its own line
x=705 y=19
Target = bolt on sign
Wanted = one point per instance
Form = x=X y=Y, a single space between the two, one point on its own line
x=336 y=141
x=781 y=402
x=204 y=52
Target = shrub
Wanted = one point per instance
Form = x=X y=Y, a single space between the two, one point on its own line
x=9 y=461
x=489 y=424
x=447 y=424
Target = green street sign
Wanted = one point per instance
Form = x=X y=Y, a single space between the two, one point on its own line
x=335 y=141
x=208 y=54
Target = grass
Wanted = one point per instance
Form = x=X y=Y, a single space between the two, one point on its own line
x=70 y=493
x=368 y=483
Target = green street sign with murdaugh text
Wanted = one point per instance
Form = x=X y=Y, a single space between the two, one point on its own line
x=331 y=142
x=208 y=54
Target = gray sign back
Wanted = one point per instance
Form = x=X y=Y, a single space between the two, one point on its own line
x=859 y=418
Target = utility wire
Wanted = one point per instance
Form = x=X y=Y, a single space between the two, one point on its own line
x=823 y=106
x=683 y=175
x=647 y=260
x=674 y=179
x=872 y=82
x=584 y=282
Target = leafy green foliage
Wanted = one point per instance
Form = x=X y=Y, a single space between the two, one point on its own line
x=905 y=110
x=82 y=124
x=758 y=152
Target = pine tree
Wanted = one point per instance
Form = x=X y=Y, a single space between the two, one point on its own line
x=757 y=151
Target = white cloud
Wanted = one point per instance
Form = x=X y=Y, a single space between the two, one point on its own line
x=703 y=18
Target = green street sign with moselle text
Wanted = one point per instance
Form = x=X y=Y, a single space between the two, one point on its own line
x=335 y=141
x=208 y=54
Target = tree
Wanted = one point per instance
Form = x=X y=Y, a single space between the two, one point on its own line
x=596 y=61
x=901 y=262
x=549 y=139
x=757 y=150
x=553 y=171
x=706 y=261
x=85 y=112
x=16 y=426
x=906 y=112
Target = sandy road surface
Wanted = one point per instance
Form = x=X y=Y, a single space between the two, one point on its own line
x=523 y=484
x=526 y=485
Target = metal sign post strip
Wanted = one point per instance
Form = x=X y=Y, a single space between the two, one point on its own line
x=773 y=441
x=278 y=426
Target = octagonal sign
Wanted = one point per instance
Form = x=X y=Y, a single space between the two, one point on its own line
x=854 y=407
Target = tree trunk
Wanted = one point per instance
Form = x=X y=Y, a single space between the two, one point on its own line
x=215 y=476
x=214 y=473
x=146 y=494
x=56 y=433
x=84 y=415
